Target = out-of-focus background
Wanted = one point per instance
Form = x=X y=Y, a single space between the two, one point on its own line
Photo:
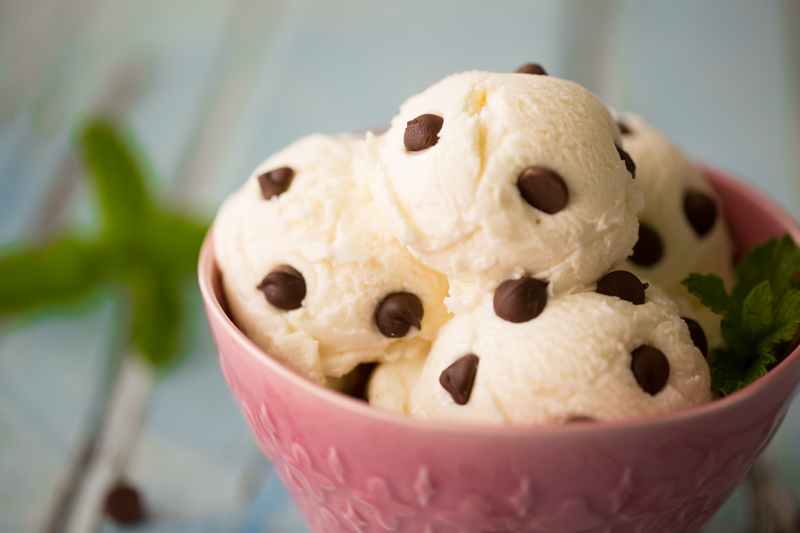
x=201 y=91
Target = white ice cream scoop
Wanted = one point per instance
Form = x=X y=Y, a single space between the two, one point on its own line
x=486 y=177
x=681 y=228
x=586 y=355
x=311 y=271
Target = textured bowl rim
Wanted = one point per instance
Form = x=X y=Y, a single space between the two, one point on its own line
x=207 y=269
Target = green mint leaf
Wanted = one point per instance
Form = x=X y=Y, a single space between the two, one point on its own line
x=59 y=273
x=710 y=290
x=118 y=181
x=174 y=241
x=157 y=313
x=775 y=260
x=725 y=365
x=757 y=312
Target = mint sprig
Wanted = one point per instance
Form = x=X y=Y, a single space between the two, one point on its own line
x=145 y=249
x=761 y=312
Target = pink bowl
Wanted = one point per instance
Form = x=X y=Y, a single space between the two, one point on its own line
x=353 y=468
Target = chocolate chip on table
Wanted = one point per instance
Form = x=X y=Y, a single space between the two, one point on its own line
x=650 y=368
x=624 y=285
x=275 y=182
x=701 y=210
x=544 y=189
x=698 y=335
x=520 y=300
x=397 y=313
x=422 y=132
x=458 y=378
x=629 y=164
x=648 y=249
x=531 y=68
x=124 y=505
x=284 y=287
x=624 y=128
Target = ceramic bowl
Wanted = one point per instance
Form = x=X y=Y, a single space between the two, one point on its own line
x=352 y=468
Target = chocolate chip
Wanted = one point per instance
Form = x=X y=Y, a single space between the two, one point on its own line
x=580 y=418
x=531 y=68
x=422 y=132
x=123 y=504
x=701 y=210
x=650 y=368
x=354 y=383
x=629 y=164
x=275 y=182
x=544 y=189
x=520 y=300
x=623 y=285
x=397 y=313
x=623 y=128
x=648 y=249
x=698 y=335
x=458 y=378
x=284 y=287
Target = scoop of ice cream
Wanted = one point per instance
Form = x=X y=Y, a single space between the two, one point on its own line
x=587 y=355
x=681 y=228
x=491 y=176
x=313 y=274
x=390 y=385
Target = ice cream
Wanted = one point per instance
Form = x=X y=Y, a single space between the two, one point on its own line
x=313 y=274
x=486 y=177
x=469 y=252
x=586 y=356
x=681 y=228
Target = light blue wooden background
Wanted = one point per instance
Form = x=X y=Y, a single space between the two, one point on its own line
x=210 y=88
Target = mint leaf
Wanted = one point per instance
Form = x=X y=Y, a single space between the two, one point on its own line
x=762 y=311
x=775 y=260
x=60 y=272
x=757 y=311
x=157 y=313
x=118 y=181
x=710 y=290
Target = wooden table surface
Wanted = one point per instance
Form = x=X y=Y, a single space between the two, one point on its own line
x=208 y=89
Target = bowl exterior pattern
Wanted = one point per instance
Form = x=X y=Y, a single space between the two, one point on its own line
x=351 y=468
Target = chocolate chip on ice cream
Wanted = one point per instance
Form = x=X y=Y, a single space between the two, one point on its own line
x=398 y=313
x=458 y=378
x=520 y=300
x=623 y=285
x=422 y=132
x=544 y=189
x=650 y=368
x=275 y=182
x=629 y=164
x=531 y=68
x=648 y=249
x=284 y=287
x=698 y=335
x=701 y=211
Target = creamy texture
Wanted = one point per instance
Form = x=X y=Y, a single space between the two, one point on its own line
x=327 y=227
x=573 y=360
x=457 y=207
x=666 y=175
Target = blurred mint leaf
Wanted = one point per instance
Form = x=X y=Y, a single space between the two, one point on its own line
x=117 y=179
x=157 y=315
x=762 y=311
x=148 y=250
x=60 y=272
